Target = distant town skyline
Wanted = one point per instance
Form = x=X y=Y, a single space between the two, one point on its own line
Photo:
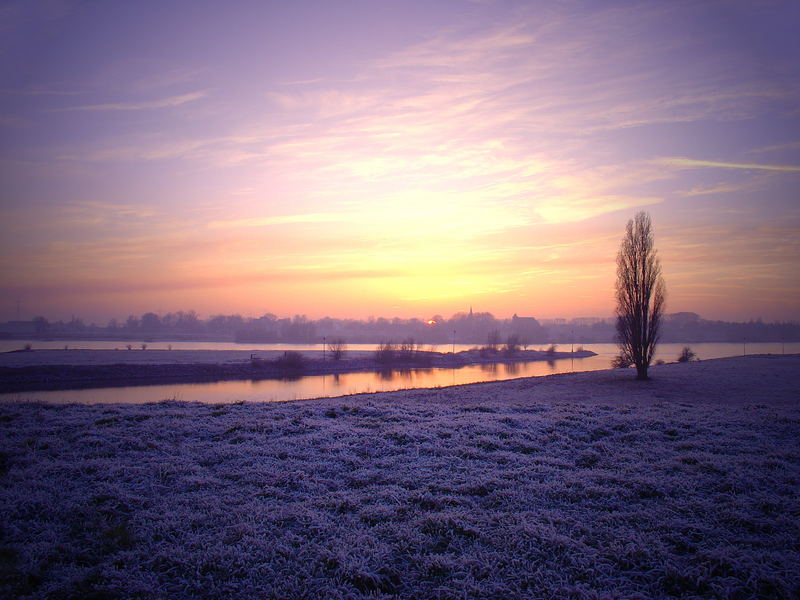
x=582 y=320
x=397 y=159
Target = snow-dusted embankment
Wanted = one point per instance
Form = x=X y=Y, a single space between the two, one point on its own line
x=585 y=485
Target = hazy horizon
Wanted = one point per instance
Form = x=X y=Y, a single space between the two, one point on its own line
x=103 y=321
x=396 y=159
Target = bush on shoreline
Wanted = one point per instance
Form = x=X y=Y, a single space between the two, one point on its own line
x=385 y=353
x=512 y=345
x=291 y=360
x=337 y=348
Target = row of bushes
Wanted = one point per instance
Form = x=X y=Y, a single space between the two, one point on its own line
x=406 y=351
x=624 y=361
x=388 y=352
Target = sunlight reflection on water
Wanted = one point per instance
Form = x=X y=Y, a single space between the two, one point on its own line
x=267 y=390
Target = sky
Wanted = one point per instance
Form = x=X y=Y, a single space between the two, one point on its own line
x=395 y=158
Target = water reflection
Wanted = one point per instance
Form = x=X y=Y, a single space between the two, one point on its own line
x=297 y=387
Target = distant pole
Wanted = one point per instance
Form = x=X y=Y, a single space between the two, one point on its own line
x=323 y=350
x=572 y=341
x=454 y=342
x=744 y=347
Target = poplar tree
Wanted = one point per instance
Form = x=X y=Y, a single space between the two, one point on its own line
x=640 y=296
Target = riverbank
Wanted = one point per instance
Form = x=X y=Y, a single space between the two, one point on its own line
x=36 y=370
x=583 y=485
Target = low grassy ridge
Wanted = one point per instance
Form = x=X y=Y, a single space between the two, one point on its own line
x=588 y=485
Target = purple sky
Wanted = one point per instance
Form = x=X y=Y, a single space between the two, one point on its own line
x=396 y=158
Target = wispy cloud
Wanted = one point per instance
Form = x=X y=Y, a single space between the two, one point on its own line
x=691 y=162
x=278 y=220
x=458 y=164
x=779 y=147
x=710 y=190
x=106 y=285
x=168 y=102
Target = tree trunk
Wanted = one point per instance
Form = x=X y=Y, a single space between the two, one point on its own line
x=641 y=372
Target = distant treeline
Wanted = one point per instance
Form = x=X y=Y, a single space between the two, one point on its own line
x=463 y=328
x=683 y=327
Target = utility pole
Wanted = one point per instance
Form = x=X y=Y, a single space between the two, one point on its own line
x=572 y=350
x=454 y=342
x=323 y=352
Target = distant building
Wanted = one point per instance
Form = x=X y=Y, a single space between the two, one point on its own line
x=528 y=329
x=683 y=318
x=553 y=322
x=586 y=321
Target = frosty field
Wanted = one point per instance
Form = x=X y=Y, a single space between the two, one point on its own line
x=587 y=485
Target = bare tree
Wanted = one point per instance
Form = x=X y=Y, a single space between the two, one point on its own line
x=493 y=340
x=640 y=296
x=338 y=348
x=512 y=345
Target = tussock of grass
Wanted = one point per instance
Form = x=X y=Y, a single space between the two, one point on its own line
x=687 y=489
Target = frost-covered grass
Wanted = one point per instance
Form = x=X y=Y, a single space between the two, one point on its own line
x=589 y=485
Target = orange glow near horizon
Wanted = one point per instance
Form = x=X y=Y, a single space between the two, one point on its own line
x=448 y=158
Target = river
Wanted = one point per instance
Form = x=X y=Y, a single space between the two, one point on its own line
x=266 y=390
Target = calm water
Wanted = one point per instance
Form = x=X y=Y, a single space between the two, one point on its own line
x=354 y=383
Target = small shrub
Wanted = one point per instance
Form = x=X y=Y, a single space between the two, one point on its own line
x=291 y=360
x=385 y=353
x=686 y=355
x=660 y=361
x=169 y=346
x=621 y=362
x=493 y=340
x=337 y=348
x=129 y=346
x=512 y=345
x=144 y=346
x=28 y=347
x=407 y=349
x=551 y=351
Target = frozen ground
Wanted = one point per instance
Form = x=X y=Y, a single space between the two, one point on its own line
x=588 y=485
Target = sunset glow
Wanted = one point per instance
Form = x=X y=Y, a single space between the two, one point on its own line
x=396 y=158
